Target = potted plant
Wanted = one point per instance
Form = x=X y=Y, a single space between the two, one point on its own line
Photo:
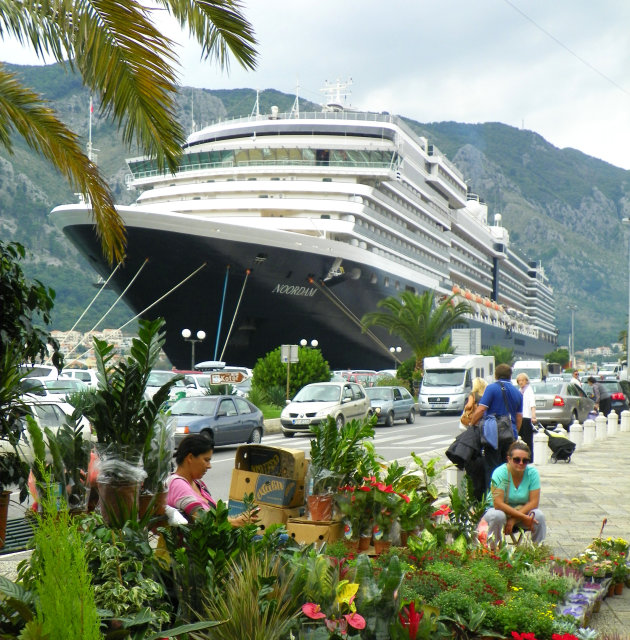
x=158 y=458
x=338 y=456
x=124 y=418
x=356 y=504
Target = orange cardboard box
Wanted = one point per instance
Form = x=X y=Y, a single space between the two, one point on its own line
x=307 y=531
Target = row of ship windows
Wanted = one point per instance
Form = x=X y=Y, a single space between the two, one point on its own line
x=316 y=157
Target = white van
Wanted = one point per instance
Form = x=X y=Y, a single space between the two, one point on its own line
x=536 y=370
x=448 y=379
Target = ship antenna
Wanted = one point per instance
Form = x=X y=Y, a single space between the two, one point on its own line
x=333 y=93
x=90 y=149
x=295 y=109
x=256 y=109
x=192 y=110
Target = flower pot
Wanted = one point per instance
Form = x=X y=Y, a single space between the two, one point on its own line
x=320 y=507
x=4 y=511
x=159 y=503
x=117 y=501
x=381 y=546
x=611 y=590
x=618 y=588
x=597 y=605
x=352 y=545
x=365 y=542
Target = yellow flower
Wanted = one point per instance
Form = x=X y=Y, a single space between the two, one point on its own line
x=346 y=591
x=517 y=588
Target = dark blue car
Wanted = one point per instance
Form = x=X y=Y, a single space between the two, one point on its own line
x=224 y=419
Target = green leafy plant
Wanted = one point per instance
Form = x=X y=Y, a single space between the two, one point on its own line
x=158 y=456
x=470 y=625
x=338 y=456
x=466 y=511
x=428 y=473
x=201 y=553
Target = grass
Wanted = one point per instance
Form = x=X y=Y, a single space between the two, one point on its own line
x=270 y=411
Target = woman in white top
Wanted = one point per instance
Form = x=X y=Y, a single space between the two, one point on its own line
x=529 y=411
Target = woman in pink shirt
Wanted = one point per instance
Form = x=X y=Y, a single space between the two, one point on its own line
x=186 y=489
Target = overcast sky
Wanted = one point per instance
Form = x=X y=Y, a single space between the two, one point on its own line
x=560 y=68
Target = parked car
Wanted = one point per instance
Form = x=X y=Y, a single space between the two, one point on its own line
x=618 y=399
x=157 y=378
x=363 y=377
x=85 y=375
x=392 y=403
x=315 y=402
x=49 y=414
x=560 y=402
x=224 y=419
x=52 y=389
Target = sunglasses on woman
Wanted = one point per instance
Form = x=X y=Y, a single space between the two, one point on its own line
x=518 y=460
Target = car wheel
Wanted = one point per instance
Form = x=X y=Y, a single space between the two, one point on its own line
x=340 y=421
x=256 y=437
x=389 y=419
x=411 y=418
x=209 y=435
x=288 y=434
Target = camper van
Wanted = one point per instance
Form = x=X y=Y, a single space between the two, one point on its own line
x=448 y=379
x=536 y=370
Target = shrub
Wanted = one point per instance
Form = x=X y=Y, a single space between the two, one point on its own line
x=526 y=613
x=453 y=602
x=270 y=371
x=277 y=395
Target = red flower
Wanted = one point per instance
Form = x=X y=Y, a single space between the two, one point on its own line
x=444 y=510
x=564 y=636
x=365 y=488
x=355 y=620
x=404 y=497
x=524 y=636
x=498 y=602
x=313 y=611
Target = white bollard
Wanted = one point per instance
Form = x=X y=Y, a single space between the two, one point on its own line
x=625 y=421
x=612 y=424
x=541 y=449
x=455 y=477
x=577 y=435
x=589 y=432
x=600 y=427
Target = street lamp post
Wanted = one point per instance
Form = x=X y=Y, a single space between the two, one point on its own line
x=186 y=333
x=627 y=221
x=572 y=308
x=394 y=351
x=304 y=342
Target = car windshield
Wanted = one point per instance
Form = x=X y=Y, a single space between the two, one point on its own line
x=195 y=406
x=551 y=388
x=443 y=378
x=158 y=378
x=319 y=393
x=64 y=386
x=532 y=374
x=376 y=393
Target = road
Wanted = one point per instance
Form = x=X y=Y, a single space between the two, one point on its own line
x=396 y=443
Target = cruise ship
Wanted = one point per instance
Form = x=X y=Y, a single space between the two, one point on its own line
x=284 y=227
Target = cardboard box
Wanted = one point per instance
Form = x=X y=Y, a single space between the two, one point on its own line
x=307 y=531
x=272 y=490
x=267 y=515
x=272 y=461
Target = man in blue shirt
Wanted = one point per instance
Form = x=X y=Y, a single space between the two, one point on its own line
x=493 y=402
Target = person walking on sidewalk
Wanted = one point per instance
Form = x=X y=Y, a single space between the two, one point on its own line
x=526 y=433
x=602 y=399
x=499 y=399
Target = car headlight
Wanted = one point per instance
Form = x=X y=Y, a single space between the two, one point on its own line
x=377 y=409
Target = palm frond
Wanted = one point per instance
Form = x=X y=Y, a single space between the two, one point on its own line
x=219 y=26
x=26 y=113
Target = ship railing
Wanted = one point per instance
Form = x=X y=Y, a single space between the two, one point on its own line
x=202 y=166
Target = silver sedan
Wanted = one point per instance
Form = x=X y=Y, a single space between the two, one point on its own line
x=560 y=402
x=391 y=403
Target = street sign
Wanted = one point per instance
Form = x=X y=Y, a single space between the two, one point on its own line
x=289 y=353
x=227 y=377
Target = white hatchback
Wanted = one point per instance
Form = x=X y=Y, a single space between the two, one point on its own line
x=315 y=402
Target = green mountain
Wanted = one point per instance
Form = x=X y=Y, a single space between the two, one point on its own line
x=561 y=206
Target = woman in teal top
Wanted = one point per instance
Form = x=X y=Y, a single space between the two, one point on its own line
x=515 y=494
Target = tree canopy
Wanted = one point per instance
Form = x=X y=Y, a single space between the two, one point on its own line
x=125 y=60
x=419 y=320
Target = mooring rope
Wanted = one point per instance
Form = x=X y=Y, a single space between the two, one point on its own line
x=216 y=342
x=238 y=304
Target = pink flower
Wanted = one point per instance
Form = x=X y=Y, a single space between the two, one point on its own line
x=313 y=611
x=355 y=620
x=444 y=510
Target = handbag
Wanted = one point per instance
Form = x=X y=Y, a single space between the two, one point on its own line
x=465 y=419
x=505 y=433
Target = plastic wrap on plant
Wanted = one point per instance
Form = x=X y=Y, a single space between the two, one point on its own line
x=119 y=464
x=158 y=455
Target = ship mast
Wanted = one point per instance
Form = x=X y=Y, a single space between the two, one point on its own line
x=295 y=109
x=92 y=157
x=333 y=93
